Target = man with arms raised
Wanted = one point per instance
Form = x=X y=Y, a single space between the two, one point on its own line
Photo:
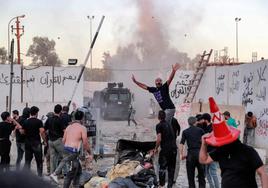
x=161 y=92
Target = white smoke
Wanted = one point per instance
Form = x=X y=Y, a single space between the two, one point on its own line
x=148 y=54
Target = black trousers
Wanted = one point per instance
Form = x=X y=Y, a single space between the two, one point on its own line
x=4 y=154
x=20 y=153
x=167 y=161
x=192 y=162
x=34 y=149
x=73 y=174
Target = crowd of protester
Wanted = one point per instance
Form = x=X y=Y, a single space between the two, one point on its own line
x=57 y=138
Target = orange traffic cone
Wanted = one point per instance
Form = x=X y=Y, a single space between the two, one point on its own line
x=222 y=133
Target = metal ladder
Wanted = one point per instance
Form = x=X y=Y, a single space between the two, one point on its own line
x=199 y=72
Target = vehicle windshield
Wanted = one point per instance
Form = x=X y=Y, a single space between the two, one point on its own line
x=113 y=97
x=123 y=96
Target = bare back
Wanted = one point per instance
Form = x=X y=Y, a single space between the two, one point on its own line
x=74 y=134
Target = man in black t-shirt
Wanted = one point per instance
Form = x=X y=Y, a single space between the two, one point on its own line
x=161 y=92
x=20 y=138
x=6 y=127
x=55 y=127
x=166 y=139
x=192 y=136
x=32 y=129
x=238 y=162
x=65 y=117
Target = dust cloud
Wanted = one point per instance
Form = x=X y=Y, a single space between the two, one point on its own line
x=147 y=55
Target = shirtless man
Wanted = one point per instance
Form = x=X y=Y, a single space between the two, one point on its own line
x=73 y=135
x=161 y=92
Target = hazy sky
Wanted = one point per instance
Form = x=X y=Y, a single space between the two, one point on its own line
x=207 y=23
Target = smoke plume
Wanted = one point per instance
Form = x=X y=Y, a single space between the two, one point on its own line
x=147 y=55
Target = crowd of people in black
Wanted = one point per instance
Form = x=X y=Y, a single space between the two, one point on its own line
x=40 y=139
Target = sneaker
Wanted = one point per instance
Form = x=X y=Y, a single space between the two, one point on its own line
x=54 y=178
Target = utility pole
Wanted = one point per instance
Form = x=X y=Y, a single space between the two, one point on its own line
x=11 y=75
x=18 y=35
x=236 y=24
x=18 y=28
x=90 y=19
x=8 y=32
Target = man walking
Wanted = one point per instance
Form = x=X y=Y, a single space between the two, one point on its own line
x=238 y=162
x=211 y=169
x=250 y=125
x=166 y=139
x=55 y=127
x=74 y=134
x=192 y=136
x=20 y=138
x=32 y=129
x=6 y=127
x=131 y=114
x=161 y=92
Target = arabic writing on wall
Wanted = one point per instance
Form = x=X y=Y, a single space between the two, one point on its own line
x=46 y=79
x=182 y=87
x=235 y=82
x=261 y=88
x=247 y=94
x=220 y=84
x=262 y=126
x=5 y=79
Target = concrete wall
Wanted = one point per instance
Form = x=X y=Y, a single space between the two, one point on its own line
x=240 y=85
x=38 y=86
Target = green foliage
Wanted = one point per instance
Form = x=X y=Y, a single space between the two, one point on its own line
x=3 y=55
x=43 y=52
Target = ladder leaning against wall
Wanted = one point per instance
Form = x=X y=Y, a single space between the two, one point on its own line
x=197 y=77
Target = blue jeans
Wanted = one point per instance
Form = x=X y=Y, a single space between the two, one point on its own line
x=74 y=174
x=67 y=158
x=20 y=152
x=211 y=172
x=56 y=150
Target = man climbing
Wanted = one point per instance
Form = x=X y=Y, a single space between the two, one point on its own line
x=161 y=92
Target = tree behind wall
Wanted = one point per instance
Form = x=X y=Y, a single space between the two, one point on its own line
x=3 y=55
x=43 y=52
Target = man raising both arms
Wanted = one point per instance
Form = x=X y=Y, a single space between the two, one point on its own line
x=161 y=92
